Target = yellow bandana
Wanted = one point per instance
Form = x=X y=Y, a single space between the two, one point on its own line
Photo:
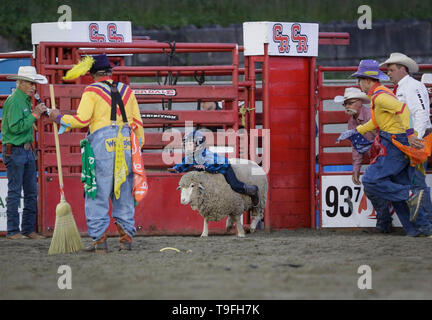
x=120 y=166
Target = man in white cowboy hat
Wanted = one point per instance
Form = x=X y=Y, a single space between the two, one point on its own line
x=414 y=93
x=409 y=90
x=353 y=100
x=17 y=137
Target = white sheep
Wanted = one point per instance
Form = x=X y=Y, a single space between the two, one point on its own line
x=212 y=196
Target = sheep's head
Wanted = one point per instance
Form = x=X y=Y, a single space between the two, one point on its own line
x=192 y=189
x=187 y=192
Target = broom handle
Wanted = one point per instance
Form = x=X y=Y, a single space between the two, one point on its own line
x=57 y=144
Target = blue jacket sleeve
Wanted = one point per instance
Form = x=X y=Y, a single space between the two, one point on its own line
x=219 y=164
x=183 y=166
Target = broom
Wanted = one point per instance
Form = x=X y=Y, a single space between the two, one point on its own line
x=66 y=237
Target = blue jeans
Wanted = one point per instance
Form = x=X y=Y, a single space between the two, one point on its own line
x=391 y=175
x=21 y=175
x=390 y=179
x=232 y=180
x=384 y=219
x=422 y=225
x=97 y=209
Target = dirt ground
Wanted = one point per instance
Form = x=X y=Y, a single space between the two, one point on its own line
x=285 y=264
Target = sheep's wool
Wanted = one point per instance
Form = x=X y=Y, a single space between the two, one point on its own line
x=217 y=200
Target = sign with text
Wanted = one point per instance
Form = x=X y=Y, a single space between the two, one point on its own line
x=3 y=199
x=345 y=205
x=283 y=38
x=293 y=39
x=83 y=31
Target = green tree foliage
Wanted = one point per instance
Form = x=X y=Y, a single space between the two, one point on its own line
x=16 y=16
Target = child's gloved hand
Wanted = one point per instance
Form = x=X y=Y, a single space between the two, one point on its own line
x=345 y=135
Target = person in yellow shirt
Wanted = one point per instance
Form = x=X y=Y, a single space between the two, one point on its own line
x=389 y=177
x=108 y=123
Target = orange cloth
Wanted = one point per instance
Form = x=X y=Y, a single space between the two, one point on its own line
x=417 y=156
x=140 y=186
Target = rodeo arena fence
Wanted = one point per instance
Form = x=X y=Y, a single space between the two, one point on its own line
x=275 y=111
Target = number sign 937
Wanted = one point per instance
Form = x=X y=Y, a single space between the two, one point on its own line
x=341 y=200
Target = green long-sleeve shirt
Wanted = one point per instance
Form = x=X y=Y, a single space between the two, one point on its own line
x=17 y=122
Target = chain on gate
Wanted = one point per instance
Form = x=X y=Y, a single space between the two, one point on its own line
x=170 y=80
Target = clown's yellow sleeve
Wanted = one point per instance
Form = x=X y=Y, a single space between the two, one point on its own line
x=396 y=107
x=83 y=115
x=388 y=103
x=367 y=127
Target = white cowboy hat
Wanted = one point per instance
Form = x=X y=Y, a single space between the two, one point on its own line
x=426 y=78
x=352 y=93
x=28 y=73
x=400 y=58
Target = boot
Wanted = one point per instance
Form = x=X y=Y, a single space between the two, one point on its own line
x=414 y=204
x=98 y=246
x=252 y=190
x=125 y=239
x=16 y=237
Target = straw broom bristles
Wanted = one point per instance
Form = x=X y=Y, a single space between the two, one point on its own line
x=66 y=237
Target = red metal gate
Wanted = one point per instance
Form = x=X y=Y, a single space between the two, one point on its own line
x=161 y=212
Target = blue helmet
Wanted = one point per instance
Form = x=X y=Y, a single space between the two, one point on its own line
x=197 y=138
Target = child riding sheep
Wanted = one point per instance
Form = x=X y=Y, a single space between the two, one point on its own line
x=199 y=158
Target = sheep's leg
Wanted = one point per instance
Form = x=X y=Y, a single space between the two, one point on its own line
x=205 y=229
x=254 y=224
x=240 y=230
x=228 y=224
x=258 y=215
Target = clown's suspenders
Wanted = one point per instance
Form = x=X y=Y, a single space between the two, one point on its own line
x=116 y=100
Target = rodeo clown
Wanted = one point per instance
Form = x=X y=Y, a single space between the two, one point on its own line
x=111 y=111
x=389 y=177
x=415 y=95
x=199 y=158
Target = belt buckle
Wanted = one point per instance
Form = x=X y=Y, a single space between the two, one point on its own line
x=27 y=146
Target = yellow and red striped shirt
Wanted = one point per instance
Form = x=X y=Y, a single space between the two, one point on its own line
x=390 y=114
x=94 y=109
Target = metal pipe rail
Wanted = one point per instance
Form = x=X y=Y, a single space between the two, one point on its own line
x=3 y=77
x=16 y=55
x=50 y=48
x=333 y=38
x=354 y=68
x=143 y=44
x=163 y=71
